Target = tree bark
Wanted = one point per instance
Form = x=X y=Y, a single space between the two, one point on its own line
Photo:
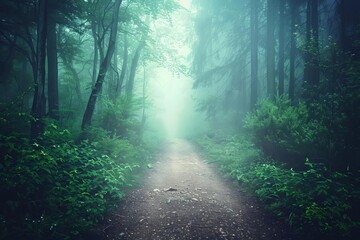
x=38 y=110
x=53 y=87
x=115 y=76
x=134 y=64
x=254 y=22
x=143 y=117
x=123 y=68
x=103 y=68
x=315 y=32
x=270 y=49
x=281 y=47
x=311 y=70
x=343 y=37
x=292 y=52
x=96 y=54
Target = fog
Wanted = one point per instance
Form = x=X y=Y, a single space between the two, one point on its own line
x=104 y=98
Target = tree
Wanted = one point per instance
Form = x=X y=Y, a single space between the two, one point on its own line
x=254 y=51
x=103 y=67
x=120 y=81
x=52 y=58
x=311 y=70
x=293 y=13
x=281 y=63
x=134 y=64
x=270 y=48
x=39 y=102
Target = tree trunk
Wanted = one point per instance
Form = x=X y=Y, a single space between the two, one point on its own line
x=103 y=68
x=308 y=41
x=115 y=76
x=281 y=47
x=38 y=110
x=96 y=54
x=254 y=22
x=53 y=87
x=343 y=37
x=134 y=64
x=292 y=52
x=311 y=70
x=315 y=32
x=143 y=117
x=123 y=68
x=270 y=49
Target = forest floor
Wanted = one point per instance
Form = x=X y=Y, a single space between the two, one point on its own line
x=184 y=197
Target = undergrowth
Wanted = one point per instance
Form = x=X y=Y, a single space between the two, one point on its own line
x=315 y=202
x=58 y=188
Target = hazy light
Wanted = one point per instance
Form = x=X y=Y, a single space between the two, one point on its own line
x=185 y=3
x=171 y=90
x=173 y=94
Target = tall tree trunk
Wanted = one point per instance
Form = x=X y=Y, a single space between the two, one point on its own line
x=292 y=52
x=38 y=110
x=115 y=76
x=96 y=53
x=315 y=32
x=53 y=82
x=143 y=117
x=343 y=37
x=270 y=49
x=111 y=81
x=281 y=47
x=308 y=42
x=254 y=22
x=103 y=67
x=311 y=70
x=134 y=64
x=123 y=68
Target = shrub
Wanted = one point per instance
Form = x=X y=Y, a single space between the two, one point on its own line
x=119 y=118
x=56 y=189
x=285 y=132
x=315 y=202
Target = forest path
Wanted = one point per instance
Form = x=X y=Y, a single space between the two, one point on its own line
x=183 y=197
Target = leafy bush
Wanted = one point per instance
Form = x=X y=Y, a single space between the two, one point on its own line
x=14 y=119
x=233 y=154
x=119 y=119
x=57 y=189
x=120 y=149
x=311 y=200
x=315 y=201
x=285 y=132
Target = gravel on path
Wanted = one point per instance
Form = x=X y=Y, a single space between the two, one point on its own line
x=184 y=197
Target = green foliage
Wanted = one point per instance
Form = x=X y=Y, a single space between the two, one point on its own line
x=119 y=118
x=58 y=189
x=122 y=150
x=285 y=132
x=14 y=118
x=334 y=101
x=234 y=154
x=315 y=201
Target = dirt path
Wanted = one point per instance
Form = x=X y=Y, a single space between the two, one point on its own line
x=183 y=197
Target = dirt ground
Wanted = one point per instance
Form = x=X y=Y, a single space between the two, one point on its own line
x=183 y=197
